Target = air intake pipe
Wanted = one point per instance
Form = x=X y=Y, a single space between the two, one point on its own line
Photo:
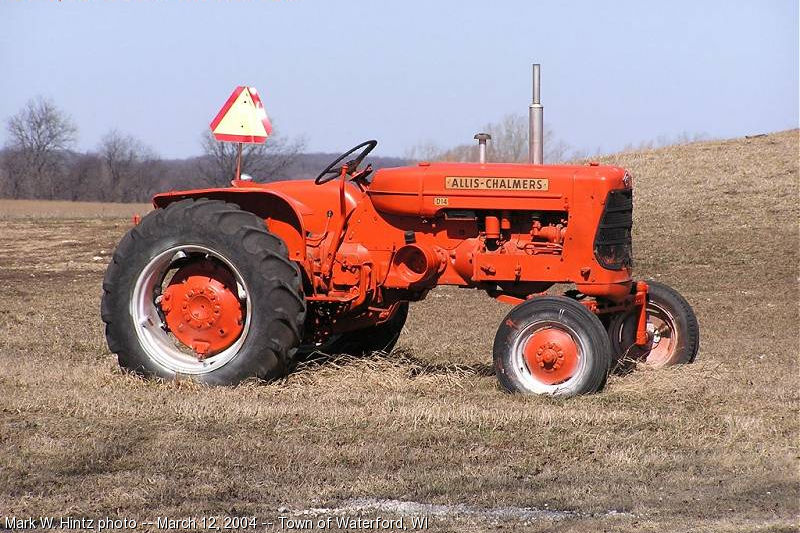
x=482 y=138
x=415 y=266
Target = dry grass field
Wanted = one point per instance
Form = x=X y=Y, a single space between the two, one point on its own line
x=27 y=209
x=708 y=447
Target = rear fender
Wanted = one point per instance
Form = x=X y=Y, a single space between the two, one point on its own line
x=282 y=216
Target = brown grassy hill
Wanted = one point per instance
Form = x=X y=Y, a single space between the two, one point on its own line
x=712 y=446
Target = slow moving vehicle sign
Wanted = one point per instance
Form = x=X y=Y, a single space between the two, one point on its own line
x=242 y=118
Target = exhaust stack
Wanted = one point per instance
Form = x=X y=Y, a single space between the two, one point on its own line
x=536 y=118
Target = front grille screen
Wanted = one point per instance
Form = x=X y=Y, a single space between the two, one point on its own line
x=612 y=244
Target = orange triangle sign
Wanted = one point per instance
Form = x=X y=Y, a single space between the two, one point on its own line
x=242 y=119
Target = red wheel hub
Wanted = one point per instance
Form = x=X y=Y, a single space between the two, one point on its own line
x=552 y=356
x=202 y=308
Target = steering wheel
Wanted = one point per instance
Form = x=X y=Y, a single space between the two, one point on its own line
x=334 y=169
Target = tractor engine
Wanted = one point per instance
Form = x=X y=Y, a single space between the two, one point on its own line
x=508 y=229
x=501 y=235
x=529 y=232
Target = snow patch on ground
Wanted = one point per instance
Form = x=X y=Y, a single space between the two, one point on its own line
x=525 y=514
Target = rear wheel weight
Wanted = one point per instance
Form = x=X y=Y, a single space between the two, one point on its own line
x=196 y=316
x=243 y=274
x=551 y=345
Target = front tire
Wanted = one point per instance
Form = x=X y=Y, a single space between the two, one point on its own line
x=672 y=329
x=552 y=345
x=202 y=289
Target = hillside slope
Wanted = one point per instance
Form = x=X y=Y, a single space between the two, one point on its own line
x=733 y=204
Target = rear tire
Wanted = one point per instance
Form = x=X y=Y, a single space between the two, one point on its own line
x=672 y=327
x=267 y=288
x=552 y=345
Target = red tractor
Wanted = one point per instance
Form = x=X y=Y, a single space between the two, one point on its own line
x=225 y=284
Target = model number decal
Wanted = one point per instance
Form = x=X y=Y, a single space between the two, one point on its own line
x=441 y=200
x=497 y=184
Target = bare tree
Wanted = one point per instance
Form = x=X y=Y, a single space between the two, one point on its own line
x=39 y=136
x=83 y=179
x=424 y=151
x=509 y=144
x=130 y=164
x=5 y=182
x=262 y=161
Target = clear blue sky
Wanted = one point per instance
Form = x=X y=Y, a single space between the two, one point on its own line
x=341 y=71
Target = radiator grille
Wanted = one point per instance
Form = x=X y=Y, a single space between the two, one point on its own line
x=612 y=244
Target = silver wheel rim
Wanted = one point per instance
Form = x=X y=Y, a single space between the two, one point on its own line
x=519 y=366
x=655 y=336
x=150 y=328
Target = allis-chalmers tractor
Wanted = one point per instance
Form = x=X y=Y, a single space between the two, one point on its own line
x=225 y=284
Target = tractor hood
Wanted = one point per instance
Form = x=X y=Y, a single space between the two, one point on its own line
x=428 y=188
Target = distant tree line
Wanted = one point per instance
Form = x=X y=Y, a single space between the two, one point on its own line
x=39 y=160
x=509 y=144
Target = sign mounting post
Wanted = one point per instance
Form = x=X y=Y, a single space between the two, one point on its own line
x=242 y=119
